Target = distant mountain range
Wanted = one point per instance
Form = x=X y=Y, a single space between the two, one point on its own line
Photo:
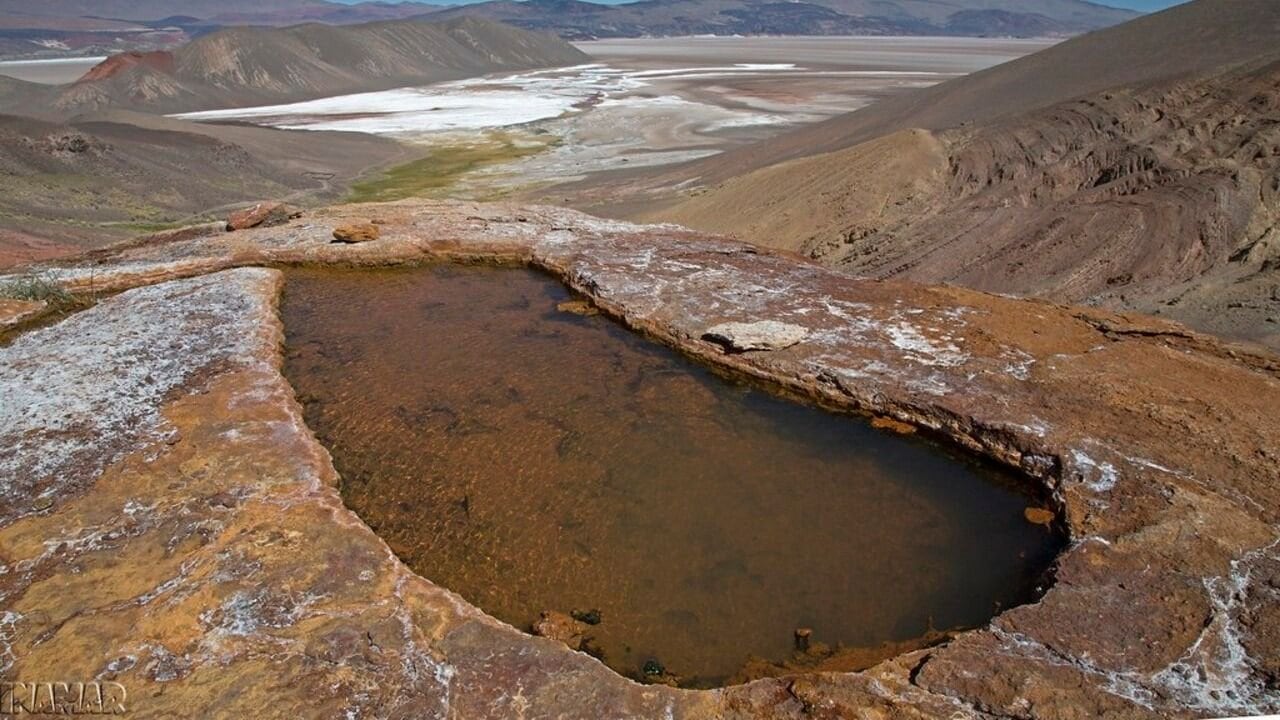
x=87 y=27
x=57 y=28
x=226 y=12
x=579 y=20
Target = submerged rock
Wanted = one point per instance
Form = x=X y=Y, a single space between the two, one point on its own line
x=558 y=626
x=578 y=307
x=356 y=233
x=1038 y=516
x=590 y=617
x=760 y=335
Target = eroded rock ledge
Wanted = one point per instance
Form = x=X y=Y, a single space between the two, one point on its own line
x=168 y=522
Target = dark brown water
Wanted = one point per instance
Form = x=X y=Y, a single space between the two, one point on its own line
x=531 y=459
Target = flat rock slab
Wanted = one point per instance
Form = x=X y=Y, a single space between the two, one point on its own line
x=759 y=335
x=168 y=522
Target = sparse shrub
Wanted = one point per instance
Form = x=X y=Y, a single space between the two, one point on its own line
x=40 y=288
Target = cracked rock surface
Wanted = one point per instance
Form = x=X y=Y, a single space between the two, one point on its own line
x=168 y=522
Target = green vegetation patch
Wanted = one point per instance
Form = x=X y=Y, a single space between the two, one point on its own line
x=435 y=174
x=39 y=288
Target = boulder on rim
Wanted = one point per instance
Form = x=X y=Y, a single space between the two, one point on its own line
x=264 y=214
x=760 y=335
x=356 y=233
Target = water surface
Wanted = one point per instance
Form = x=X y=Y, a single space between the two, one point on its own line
x=531 y=459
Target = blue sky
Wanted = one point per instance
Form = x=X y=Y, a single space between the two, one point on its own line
x=1144 y=5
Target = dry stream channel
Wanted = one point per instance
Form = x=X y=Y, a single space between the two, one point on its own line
x=533 y=459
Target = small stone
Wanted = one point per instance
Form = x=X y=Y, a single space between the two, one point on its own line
x=760 y=335
x=561 y=628
x=42 y=503
x=356 y=233
x=652 y=668
x=1038 y=516
x=578 y=307
x=264 y=214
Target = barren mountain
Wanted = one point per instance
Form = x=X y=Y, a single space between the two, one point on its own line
x=67 y=28
x=150 y=10
x=1122 y=168
x=254 y=66
x=582 y=20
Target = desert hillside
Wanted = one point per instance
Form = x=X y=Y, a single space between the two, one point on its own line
x=71 y=186
x=1158 y=193
x=252 y=66
x=1199 y=37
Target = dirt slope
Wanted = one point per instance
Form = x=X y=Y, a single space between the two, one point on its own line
x=1197 y=37
x=1160 y=196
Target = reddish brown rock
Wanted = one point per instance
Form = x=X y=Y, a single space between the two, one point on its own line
x=264 y=214
x=562 y=628
x=158 y=60
x=893 y=426
x=356 y=233
x=221 y=574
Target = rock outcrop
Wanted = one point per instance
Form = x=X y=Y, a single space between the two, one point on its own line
x=263 y=214
x=169 y=523
x=758 y=335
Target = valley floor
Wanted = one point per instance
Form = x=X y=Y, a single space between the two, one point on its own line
x=644 y=103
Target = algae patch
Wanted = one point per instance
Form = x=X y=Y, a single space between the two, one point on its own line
x=437 y=174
